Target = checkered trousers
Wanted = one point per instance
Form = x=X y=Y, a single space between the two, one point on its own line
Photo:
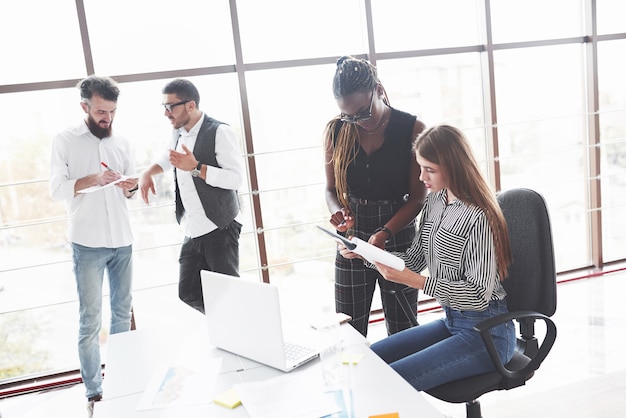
x=355 y=283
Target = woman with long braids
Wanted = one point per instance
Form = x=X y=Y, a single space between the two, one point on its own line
x=373 y=190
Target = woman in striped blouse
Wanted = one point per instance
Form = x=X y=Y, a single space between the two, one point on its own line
x=463 y=242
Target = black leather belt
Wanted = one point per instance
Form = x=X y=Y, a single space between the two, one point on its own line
x=369 y=202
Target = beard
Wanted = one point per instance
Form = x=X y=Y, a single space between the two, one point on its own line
x=97 y=130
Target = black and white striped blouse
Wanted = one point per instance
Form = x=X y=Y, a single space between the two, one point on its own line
x=455 y=244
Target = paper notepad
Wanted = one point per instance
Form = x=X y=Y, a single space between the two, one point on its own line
x=229 y=399
x=368 y=251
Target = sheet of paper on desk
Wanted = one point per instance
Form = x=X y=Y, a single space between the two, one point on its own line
x=181 y=385
x=292 y=395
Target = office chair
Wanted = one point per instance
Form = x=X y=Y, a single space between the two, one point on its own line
x=531 y=297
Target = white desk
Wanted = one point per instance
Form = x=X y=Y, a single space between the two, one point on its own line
x=376 y=388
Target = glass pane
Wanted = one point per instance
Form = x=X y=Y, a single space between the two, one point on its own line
x=614 y=222
x=36 y=117
x=193 y=34
x=541 y=156
x=306 y=287
x=275 y=30
x=535 y=19
x=159 y=308
x=307 y=278
x=31 y=245
x=610 y=15
x=436 y=89
x=542 y=141
x=155 y=249
x=440 y=89
x=300 y=168
x=294 y=206
x=39 y=340
x=40 y=41
x=613 y=152
x=26 y=203
x=284 y=118
x=248 y=251
x=298 y=243
x=540 y=83
x=613 y=147
x=424 y=24
x=611 y=70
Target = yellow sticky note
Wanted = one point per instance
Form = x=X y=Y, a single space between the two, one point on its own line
x=351 y=358
x=392 y=415
x=229 y=399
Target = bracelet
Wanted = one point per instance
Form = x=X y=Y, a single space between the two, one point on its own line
x=385 y=229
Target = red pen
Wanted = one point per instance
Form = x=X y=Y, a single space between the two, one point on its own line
x=107 y=167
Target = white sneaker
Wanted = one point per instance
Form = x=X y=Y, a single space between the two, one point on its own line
x=90 y=409
x=90 y=404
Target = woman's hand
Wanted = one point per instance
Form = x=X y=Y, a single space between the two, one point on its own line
x=342 y=220
x=346 y=253
x=405 y=276
x=379 y=239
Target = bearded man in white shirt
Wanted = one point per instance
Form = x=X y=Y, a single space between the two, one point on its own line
x=206 y=160
x=89 y=166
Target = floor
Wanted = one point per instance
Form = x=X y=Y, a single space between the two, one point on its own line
x=583 y=376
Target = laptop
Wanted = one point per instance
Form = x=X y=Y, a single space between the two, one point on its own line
x=243 y=316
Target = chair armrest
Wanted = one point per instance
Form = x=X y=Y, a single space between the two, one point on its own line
x=535 y=361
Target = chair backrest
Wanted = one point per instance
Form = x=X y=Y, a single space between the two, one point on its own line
x=531 y=283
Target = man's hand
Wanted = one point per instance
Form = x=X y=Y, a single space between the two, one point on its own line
x=127 y=184
x=146 y=184
x=185 y=161
x=106 y=176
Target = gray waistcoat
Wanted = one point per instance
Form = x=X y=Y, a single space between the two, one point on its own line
x=220 y=205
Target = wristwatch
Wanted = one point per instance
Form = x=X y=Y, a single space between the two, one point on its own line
x=196 y=171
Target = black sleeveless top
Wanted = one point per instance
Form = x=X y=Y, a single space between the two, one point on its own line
x=384 y=175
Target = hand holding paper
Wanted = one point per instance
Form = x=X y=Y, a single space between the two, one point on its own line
x=368 y=251
x=95 y=188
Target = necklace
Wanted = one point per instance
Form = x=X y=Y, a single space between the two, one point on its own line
x=381 y=125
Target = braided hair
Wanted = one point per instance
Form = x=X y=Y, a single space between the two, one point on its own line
x=352 y=75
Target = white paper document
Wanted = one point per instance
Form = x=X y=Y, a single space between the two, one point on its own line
x=181 y=385
x=96 y=188
x=368 y=251
x=292 y=395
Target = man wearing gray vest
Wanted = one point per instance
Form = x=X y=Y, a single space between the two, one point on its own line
x=207 y=164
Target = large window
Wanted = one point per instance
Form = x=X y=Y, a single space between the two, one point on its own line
x=543 y=138
x=541 y=98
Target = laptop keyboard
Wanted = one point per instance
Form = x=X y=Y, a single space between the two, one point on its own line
x=294 y=352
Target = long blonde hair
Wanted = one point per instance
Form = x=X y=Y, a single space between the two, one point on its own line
x=352 y=75
x=447 y=147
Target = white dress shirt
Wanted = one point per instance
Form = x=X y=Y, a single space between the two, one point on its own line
x=98 y=219
x=229 y=174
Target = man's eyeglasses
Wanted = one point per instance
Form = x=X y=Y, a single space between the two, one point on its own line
x=168 y=106
x=361 y=116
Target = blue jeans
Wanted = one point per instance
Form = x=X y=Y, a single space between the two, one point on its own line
x=89 y=267
x=447 y=349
